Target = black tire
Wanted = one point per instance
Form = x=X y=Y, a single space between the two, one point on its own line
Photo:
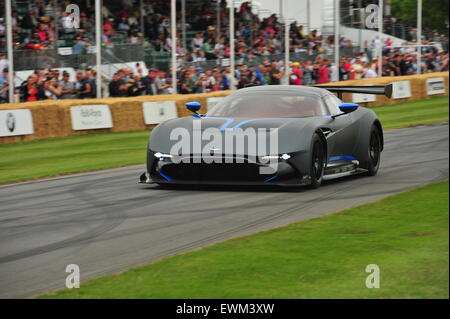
x=374 y=151
x=318 y=161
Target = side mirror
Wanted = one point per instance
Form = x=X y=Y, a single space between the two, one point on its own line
x=194 y=107
x=348 y=107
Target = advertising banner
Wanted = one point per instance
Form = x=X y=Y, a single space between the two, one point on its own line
x=435 y=86
x=158 y=112
x=16 y=122
x=88 y=117
x=401 y=90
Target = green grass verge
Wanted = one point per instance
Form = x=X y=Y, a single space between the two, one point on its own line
x=426 y=111
x=406 y=235
x=50 y=157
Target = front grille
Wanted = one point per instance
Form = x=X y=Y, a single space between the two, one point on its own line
x=236 y=172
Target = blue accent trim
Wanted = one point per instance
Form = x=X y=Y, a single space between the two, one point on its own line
x=348 y=105
x=270 y=179
x=339 y=158
x=223 y=127
x=196 y=116
x=278 y=118
x=164 y=175
x=230 y=120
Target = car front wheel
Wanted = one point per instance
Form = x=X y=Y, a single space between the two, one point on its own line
x=317 y=161
x=374 y=151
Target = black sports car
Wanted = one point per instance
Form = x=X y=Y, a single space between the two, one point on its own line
x=318 y=137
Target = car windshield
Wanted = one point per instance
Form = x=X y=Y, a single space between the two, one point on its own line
x=265 y=105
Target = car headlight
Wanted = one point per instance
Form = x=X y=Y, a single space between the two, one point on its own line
x=162 y=156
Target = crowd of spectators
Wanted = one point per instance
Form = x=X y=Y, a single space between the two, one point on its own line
x=259 y=43
x=44 y=26
x=195 y=79
x=51 y=84
x=254 y=36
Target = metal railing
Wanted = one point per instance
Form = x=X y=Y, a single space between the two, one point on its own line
x=255 y=61
x=50 y=58
x=163 y=60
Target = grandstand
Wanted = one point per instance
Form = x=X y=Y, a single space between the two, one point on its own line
x=130 y=38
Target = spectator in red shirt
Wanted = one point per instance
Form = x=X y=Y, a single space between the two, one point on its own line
x=42 y=31
x=323 y=74
x=124 y=12
x=107 y=27
x=296 y=74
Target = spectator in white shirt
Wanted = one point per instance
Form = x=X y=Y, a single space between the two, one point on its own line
x=197 y=42
x=3 y=61
x=368 y=71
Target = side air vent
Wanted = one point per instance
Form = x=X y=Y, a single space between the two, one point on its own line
x=326 y=131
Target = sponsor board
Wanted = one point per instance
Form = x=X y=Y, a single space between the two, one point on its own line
x=401 y=90
x=435 y=86
x=158 y=112
x=363 y=98
x=211 y=102
x=65 y=51
x=88 y=117
x=226 y=62
x=16 y=122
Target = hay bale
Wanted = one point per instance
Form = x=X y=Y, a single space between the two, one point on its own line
x=51 y=118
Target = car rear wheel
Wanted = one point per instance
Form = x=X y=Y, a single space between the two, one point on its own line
x=374 y=151
x=317 y=161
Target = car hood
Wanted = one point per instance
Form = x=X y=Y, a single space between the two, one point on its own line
x=284 y=135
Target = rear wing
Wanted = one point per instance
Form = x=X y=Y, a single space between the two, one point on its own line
x=380 y=90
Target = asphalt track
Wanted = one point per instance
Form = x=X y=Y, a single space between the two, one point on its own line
x=105 y=222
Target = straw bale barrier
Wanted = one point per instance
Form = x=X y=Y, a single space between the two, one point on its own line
x=52 y=118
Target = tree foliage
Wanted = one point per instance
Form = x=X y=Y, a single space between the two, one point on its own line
x=434 y=13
